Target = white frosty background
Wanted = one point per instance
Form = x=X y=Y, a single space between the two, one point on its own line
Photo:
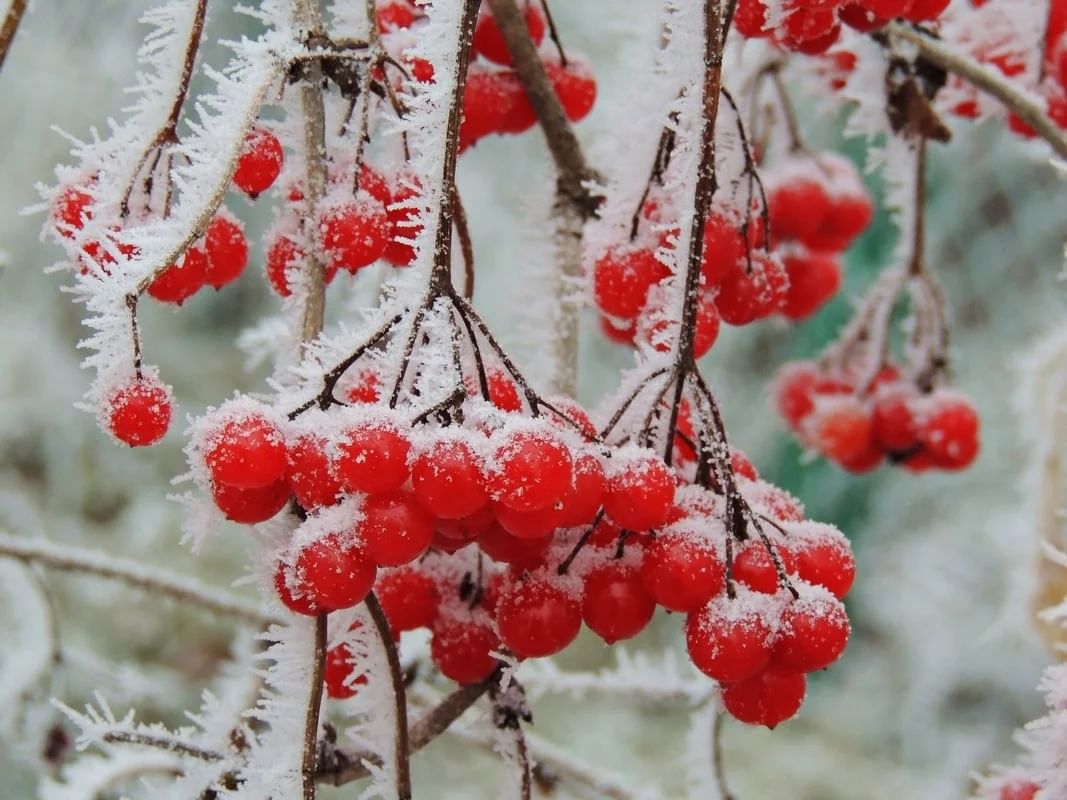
x=943 y=664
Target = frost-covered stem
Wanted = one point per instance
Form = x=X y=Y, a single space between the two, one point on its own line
x=918 y=241
x=167 y=743
x=466 y=245
x=986 y=79
x=153 y=581
x=10 y=27
x=314 y=708
x=717 y=763
x=796 y=142
x=396 y=677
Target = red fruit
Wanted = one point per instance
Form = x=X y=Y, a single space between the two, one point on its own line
x=806 y=24
x=409 y=599
x=728 y=641
x=828 y=563
x=849 y=216
x=812 y=634
x=750 y=18
x=227 y=250
x=260 y=162
x=501 y=546
x=335 y=572
x=622 y=278
x=741 y=466
x=527 y=524
x=537 y=618
x=247 y=452
x=533 y=470
x=949 y=432
x=575 y=86
x=73 y=207
x=819 y=44
x=888 y=9
x=1019 y=790
x=924 y=10
x=681 y=573
x=893 y=424
x=813 y=280
x=858 y=17
x=503 y=393
x=312 y=476
x=724 y=249
x=798 y=208
x=640 y=493
x=755 y=568
x=841 y=431
x=372 y=182
x=394 y=14
x=403 y=224
x=489 y=42
x=615 y=605
x=299 y=602
x=282 y=252
x=395 y=530
x=366 y=389
x=460 y=649
x=138 y=412
x=663 y=331
x=336 y=672
x=355 y=233
x=251 y=506
x=793 y=388
x=448 y=479
x=867 y=461
x=580 y=504
x=181 y=281
x=769 y=698
x=467 y=528
x=574 y=417
x=618 y=335
x=97 y=256
x=422 y=71
x=372 y=457
x=745 y=296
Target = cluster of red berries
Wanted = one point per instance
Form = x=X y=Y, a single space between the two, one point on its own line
x=494 y=99
x=813 y=26
x=818 y=206
x=891 y=419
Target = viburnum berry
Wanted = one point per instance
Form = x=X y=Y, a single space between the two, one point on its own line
x=798 y=206
x=741 y=465
x=622 y=278
x=949 y=431
x=536 y=618
x=461 y=649
x=814 y=278
x=503 y=393
x=752 y=291
x=299 y=602
x=812 y=633
x=372 y=456
x=750 y=18
x=1019 y=790
x=395 y=14
x=769 y=698
x=826 y=562
x=580 y=504
x=312 y=475
x=533 y=469
x=354 y=233
x=575 y=86
x=227 y=250
x=138 y=412
x=260 y=162
x=408 y=597
x=251 y=506
x=620 y=335
x=615 y=604
x=925 y=10
x=335 y=572
x=681 y=573
x=72 y=208
x=640 y=493
x=180 y=281
x=527 y=524
x=394 y=529
x=728 y=640
x=282 y=253
x=861 y=18
x=755 y=567
x=501 y=546
x=365 y=389
x=840 y=428
x=449 y=480
x=489 y=41
x=893 y=423
x=403 y=223
x=798 y=386
x=469 y=527
x=247 y=451
x=337 y=673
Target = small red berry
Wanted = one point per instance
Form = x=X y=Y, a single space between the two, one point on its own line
x=575 y=86
x=335 y=572
x=812 y=633
x=615 y=605
x=247 y=452
x=827 y=562
x=580 y=504
x=180 y=281
x=755 y=568
x=251 y=506
x=814 y=279
x=728 y=641
x=73 y=207
x=489 y=41
x=372 y=457
x=281 y=255
x=260 y=162
x=769 y=698
x=408 y=597
x=448 y=479
x=337 y=672
x=949 y=431
x=533 y=470
x=461 y=649
x=299 y=602
x=501 y=546
x=682 y=573
x=394 y=529
x=622 y=278
x=354 y=234
x=537 y=618
x=312 y=476
x=138 y=412
x=640 y=493
x=227 y=250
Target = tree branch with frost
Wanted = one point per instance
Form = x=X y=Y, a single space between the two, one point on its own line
x=12 y=20
x=154 y=581
x=401 y=744
x=169 y=744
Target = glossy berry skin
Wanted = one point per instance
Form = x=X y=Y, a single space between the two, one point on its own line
x=680 y=573
x=728 y=642
x=467 y=528
x=769 y=698
x=460 y=649
x=354 y=234
x=251 y=506
x=448 y=480
x=536 y=618
x=247 y=453
x=260 y=162
x=615 y=605
x=893 y=423
x=842 y=432
x=949 y=433
x=526 y=524
x=282 y=253
x=409 y=599
x=580 y=504
x=828 y=563
x=812 y=634
x=640 y=494
x=311 y=472
x=139 y=412
x=575 y=86
x=181 y=281
x=395 y=14
x=73 y=207
x=372 y=457
x=798 y=208
x=533 y=470
x=489 y=41
x=336 y=671
x=797 y=387
x=227 y=251
x=503 y=393
x=622 y=278
x=299 y=602
x=750 y=19
x=335 y=572
x=814 y=279
x=754 y=567
x=395 y=530
x=501 y=546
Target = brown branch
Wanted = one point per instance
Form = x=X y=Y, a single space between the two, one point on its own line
x=988 y=80
x=10 y=27
x=165 y=743
x=716 y=755
x=466 y=246
x=396 y=675
x=311 y=720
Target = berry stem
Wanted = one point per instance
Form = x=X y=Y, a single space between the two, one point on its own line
x=553 y=32
x=466 y=245
x=717 y=761
x=566 y=563
x=396 y=676
x=311 y=721
x=10 y=27
x=796 y=141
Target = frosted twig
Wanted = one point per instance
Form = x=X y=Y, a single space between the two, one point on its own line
x=984 y=78
x=155 y=581
x=10 y=27
x=396 y=676
x=167 y=743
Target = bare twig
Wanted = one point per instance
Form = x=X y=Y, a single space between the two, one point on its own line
x=167 y=743
x=396 y=675
x=10 y=27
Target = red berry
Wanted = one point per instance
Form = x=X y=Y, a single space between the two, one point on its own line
x=503 y=393
x=282 y=253
x=681 y=573
x=403 y=224
x=924 y=10
x=72 y=208
x=622 y=278
x=750 y=18
x=461 y=648
x=354 y=234
x=335 y=572
x=640 y=493
x=755 y=568
x=841 y=429
x=751 y=292
x=372 y=457
x=365 y=389
x=812 y=634
x=724 y=248
x=527 y=524
x=448 y=479
x=798 y=208
x=949 y=432
x=337 y=671
x=467 y=528
x=489 y=41
x=580 y=504
x=227 y=250
x=1019 y=790
x=828 y=563
x=501 y=546
x=180 y=281
x=138 y=412
x=533 y=470
x=250 y=506
x=372 y=182
x=615 y=605
x=769 y=698
x=408 y=597
x=395 y=14
x=299 y=602
x=887 y=9
x=624 y=335
x=813 y=280
x=574 y=417
x=260 y=162
x=312 y=476
x=395 y=530
x=537 y=618
x=247 y=452
x=728 y=640
x=858 y=17
x=741 y=465
x=575 y=86
x=893 y=423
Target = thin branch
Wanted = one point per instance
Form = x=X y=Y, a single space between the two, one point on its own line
x=191 y=591
x=167 y=743
x=986 y=79
x=466 y=246
x=314 y=709
x=10 y=27
x=396 y=675
x=717 y=763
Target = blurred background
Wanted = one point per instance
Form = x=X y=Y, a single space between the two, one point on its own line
x=945 y=656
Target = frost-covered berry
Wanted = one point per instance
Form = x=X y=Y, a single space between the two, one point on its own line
x=354 y=233
x=246 y=451
x=251 y=506
x=394 y=529
x=622 y=278
x=537 y=618
x=72 y=208
x=682 y=573
x=769 y=698
x=532 y=470
x=826 y=562
x=311 y=472
x=260 y=162
x=180 y=281
x=615 y=605
x=461 y=649
x=139 y=411
x=448 y=479
x=814 y=278
x=728 y=640
x=409 y=598
x=489 y=41
x=575 y=86
x=337 y=673
x=372 y=456
x=755 y=568
x=335 y=572
x=812 y=633
x=502 y=546
x=949 y=431
x=640 y=493
x=227 y=250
